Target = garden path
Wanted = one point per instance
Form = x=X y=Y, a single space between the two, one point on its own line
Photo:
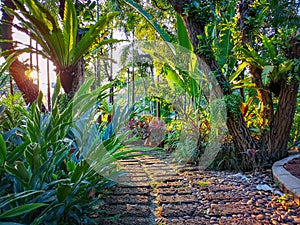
x=157 y=191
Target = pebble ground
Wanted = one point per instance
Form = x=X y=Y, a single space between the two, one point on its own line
x=157 y=191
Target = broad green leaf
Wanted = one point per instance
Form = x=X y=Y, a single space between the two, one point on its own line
x=182 y=34
x=265 y=76
x=248 y=85
x=2 y=150
x=19 y=171
x=63 y=192
x=19 y=210
x=78 y=172
x=269 y=46
x=193 y=88
x=84 y=88
x=285 y=67
x=225 y=46
x=53 y=207
x=14 y=197
x=173 y=78
x=70 y=25
x=253 y=57
x=22 y=170
x=8 y=61
x=35 y=8
x=56 y=92
x=71 y=166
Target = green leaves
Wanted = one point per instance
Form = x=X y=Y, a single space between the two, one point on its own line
x=19 y=210
x=70 y=25
x=252 y=57
x=58 y=42
x=224 y=45
x=2 y=150
x=173 y=78
x=57 y=182
x=19 y=171
x=268 y=45
x=91 y=36
x=63 y=192
x=183 y=38
x=80 y=170
x=265 y=76
x=239 y=70
x=165 y=36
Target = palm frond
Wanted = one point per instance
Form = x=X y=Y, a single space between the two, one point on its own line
x=165 y=36
x=90 y=37
x=70 y=25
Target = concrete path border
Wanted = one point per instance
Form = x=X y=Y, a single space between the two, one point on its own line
x=289 y=184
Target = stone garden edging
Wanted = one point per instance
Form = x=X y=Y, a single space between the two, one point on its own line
x=289 y=184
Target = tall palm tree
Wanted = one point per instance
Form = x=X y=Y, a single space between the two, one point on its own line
x=58 y=38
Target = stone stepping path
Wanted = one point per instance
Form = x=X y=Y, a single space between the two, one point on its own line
x=157 y=191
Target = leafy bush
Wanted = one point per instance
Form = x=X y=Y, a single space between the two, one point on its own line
x=51 y=176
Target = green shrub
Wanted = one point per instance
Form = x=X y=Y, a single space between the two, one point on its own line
x=48 y=178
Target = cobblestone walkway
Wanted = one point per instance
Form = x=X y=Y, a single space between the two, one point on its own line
x=156 y=191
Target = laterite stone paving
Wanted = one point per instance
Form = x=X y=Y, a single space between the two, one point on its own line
x=157 y=191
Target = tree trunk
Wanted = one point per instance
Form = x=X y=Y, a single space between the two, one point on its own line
x=263 y=93
x=280 y=126
x=278 y=135
x=17 y=69
x=236 y=125
x=72 y=78
x=273 y=140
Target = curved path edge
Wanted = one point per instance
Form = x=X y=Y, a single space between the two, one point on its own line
x=288 y=183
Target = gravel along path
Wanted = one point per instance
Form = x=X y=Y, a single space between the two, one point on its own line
x=156 y=191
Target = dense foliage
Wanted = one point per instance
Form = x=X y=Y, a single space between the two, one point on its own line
x=50 y=161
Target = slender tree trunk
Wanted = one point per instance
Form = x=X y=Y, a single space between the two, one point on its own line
x=17 y=69
x=111 y=90
x=109 y=74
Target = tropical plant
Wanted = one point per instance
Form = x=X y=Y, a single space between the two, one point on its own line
x=256 y=52
x=216 y=31
x=59 y=39
x=52 y=178
x=12 y=112
x=149 y=18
